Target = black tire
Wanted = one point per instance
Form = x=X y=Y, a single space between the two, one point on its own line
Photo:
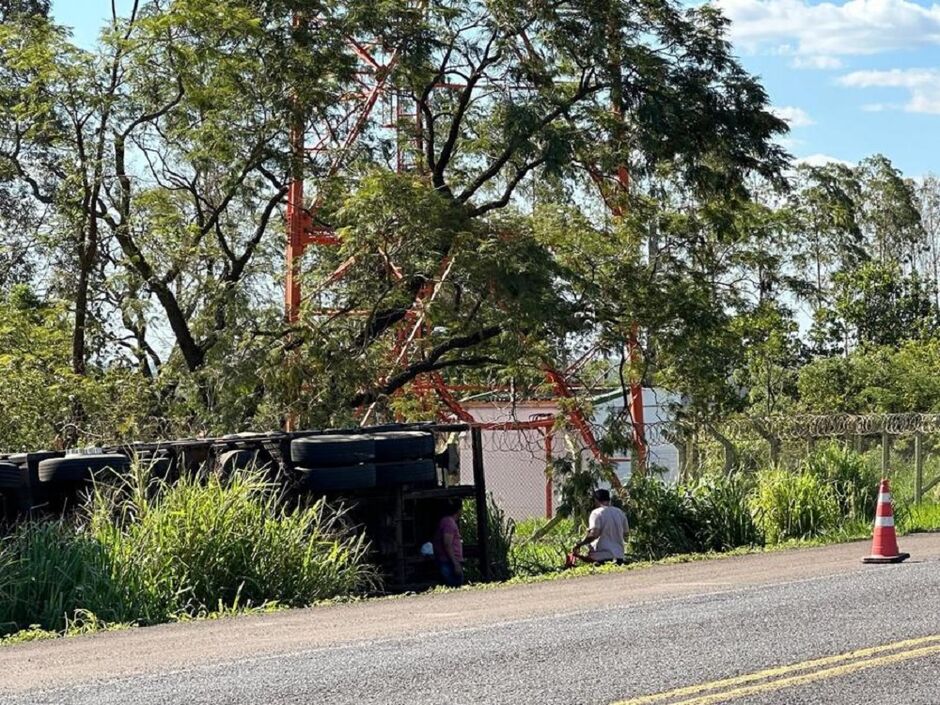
x=11 y=476
x=332 y=451
x=36 y=458
x=160 y=467
x=241 y=459
x=352 y=477
x=410 y=472
x=403 y=445
x=78 y=468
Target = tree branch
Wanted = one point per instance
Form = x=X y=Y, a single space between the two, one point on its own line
x=433 y=362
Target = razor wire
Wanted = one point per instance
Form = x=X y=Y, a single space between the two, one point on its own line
x=795 y=427
x=810 y=426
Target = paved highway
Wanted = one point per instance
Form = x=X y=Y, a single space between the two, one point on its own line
x=791 y=627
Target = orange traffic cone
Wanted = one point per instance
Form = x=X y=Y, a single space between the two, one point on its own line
x=884 y=545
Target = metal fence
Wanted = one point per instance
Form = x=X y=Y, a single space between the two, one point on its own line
x=518 y=462
x=900 y=440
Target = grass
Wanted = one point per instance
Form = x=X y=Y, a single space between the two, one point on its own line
x=141 y=552
x=921 y=518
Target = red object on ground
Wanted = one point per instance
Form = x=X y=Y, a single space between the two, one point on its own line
x=884 y=545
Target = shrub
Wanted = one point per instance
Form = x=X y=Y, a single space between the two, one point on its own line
x=793 y=505
x=853 y=480
x=720 y=504
x=662 y=521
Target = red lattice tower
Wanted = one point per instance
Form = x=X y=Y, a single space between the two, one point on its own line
x=332 y=143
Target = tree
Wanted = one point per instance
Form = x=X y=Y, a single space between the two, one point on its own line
x=162 y=153
x=826 y=203
x=928 y=206
x=160 y=161
x=525 y=112
x=15 y=9
x=888 y=211
x=880 y=306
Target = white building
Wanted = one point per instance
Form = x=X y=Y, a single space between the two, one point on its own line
x=515 y=461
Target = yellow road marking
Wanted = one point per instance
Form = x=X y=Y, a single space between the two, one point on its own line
x=860 y=658
x=812 y=677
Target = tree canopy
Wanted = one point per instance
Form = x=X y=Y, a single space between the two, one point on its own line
x=535 y=179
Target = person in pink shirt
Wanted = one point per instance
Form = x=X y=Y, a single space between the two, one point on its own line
x=448 y=546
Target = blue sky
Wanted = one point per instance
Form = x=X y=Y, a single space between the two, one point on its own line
x=853 y=77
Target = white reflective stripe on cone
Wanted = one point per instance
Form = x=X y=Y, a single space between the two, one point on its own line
x=884 y=497
x=884 y=521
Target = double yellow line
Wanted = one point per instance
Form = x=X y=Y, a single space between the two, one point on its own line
x=793 y=675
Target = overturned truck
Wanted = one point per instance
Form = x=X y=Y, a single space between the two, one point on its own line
x=393 y=479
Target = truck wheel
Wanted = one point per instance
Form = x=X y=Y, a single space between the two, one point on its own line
x=403 y=445
x=11 y=477
x=78 y=468
x=409 y=472
x=332 y=451
x=352 y=477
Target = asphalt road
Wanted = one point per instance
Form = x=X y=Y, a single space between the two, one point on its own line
x=792 y=627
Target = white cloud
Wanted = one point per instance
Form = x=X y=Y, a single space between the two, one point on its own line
x=821 y=62
x=881 y=107
x=822 y=160
x=816 y=34
x=795 y=117
x=922 y=85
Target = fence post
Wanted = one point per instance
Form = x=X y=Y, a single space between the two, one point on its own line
x=918 y=467
x=885 y=453
x=774 y=450
x=549 y=474
x=479 y=485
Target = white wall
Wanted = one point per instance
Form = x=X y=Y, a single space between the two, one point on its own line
x=514 y=461
x=655 y=410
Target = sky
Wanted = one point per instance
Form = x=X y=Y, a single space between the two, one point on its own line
x=852 y=77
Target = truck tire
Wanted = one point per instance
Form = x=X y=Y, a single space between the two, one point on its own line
x=37 y=457
x=11 y=477
x=78 y=468
x=409 y=472
x=332 y=451
x=352 y=477
x=160 y=467
x=403 y=445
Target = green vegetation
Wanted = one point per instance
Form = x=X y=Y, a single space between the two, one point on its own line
x=143 y=184
x=793 y=505
x=830 y=498
x=141 y=552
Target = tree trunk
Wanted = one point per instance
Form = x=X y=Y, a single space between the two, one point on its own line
x=81 y=319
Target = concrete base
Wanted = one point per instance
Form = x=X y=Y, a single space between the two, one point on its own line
x=878 y=560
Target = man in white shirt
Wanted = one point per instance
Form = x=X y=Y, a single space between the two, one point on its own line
x=607 y=529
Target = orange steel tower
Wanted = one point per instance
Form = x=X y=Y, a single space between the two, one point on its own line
x=332 y=144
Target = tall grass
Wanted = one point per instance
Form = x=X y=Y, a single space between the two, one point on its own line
x=145 y=552
x=499 y=531
x=790 y=505
x=853 y=480
x=720 y=505
x=529 y=557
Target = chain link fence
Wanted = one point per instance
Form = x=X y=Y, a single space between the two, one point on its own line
x=518 y=462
